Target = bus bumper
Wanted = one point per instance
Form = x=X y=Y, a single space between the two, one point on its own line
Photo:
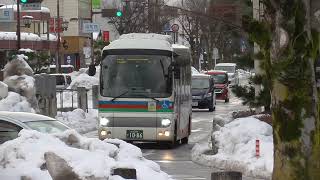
x=149 y=134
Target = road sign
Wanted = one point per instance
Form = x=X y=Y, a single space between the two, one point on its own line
x=55 y=25
x=90 y=27
x=106 y=36
x=175 y=27
x=166 y=27
x=31 y=6
x=215 y=53
x=6 y=15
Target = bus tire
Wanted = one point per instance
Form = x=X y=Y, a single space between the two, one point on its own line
x=173 y=143
x=185 y=140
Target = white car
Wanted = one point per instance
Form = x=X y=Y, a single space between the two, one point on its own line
x=11 y=123
x=231 y=69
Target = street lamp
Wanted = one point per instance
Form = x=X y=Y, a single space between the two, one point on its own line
x=64 y=25
x=27 y=20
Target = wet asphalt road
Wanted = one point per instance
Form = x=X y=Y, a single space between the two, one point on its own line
x=177 y=161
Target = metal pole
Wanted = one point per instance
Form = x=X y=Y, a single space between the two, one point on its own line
x=199 y=64
x=18 y=26
x=58 y=62
x=92 y=51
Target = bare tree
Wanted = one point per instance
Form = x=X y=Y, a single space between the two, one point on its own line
x=141 y=16
x=204 y=30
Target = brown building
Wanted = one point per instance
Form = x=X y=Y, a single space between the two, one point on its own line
x=34 y=36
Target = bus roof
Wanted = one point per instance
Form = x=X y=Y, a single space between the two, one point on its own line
x=141 y=41
x=139 y=44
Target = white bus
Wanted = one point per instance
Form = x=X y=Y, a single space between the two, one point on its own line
x=145 y=94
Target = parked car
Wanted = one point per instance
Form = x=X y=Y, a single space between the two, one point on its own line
x=203 y=96
x=52 y=69
x=62 y=80
x=231 y=69
x=11 y=123
x=221 y=84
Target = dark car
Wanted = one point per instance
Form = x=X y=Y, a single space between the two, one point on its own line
x=203 y=96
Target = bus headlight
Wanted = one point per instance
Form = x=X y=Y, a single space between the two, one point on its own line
x=166 y=122
x=104 y=121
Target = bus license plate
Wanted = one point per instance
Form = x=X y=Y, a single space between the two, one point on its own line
x=134 y=134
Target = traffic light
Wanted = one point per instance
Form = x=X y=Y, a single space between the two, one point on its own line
x=119 y=13
x=30 y=1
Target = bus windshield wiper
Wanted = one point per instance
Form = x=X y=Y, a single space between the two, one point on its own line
x=149 y=97
x=114 y=98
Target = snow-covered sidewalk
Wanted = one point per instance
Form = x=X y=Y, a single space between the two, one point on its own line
x=236 y=142
x=88 y=157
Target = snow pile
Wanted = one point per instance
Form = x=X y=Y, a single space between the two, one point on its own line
x=3 y=90
x=15 y=102
x=243 y=74
x=88 y=157
x=79 y=120
x=84 y=80
x=18 y=76
x=52 y=37
x=236 y=143
x=24 y=36
x=194 y=70
x=27 y=50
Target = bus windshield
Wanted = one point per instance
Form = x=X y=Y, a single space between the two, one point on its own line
x=134 y=76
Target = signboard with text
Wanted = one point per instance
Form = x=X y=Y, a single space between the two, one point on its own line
x=106 y=36
x=90 y=27
x=55 y=25
x=6 y=15
x=96 y=4
x=31 y=6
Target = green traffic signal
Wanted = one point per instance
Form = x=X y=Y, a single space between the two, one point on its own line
x=119 y=13
x=23 y=1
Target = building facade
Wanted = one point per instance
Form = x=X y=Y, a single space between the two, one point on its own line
x=75 y=45
x=34 y=34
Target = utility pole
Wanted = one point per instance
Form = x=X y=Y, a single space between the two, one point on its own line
x=92 y=50
x=256 y=15
x=58 y=60
x=18 y=26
